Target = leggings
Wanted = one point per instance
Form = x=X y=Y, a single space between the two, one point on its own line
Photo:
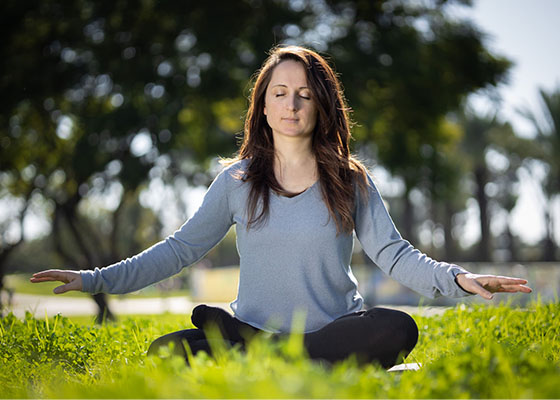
x=378 y=335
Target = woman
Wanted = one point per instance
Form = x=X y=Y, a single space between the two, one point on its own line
x=296 y=195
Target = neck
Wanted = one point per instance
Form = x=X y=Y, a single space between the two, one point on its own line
x=293 y=151
x=295 y=167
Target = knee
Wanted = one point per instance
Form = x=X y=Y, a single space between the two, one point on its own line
x=198 y=316
x=155 y=346
x=176 y=344
x=203 y=314
x=410 y=329
x=400 y=326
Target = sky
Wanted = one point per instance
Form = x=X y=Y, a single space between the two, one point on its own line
x=528 y=33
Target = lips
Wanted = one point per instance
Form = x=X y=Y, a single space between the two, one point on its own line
x=290 y=119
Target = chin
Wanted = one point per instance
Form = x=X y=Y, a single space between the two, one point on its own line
x=295 y=134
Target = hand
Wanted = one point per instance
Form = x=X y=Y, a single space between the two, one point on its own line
x=485 y=285
x=72 y=279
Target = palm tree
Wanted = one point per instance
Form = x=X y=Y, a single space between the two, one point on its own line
x=476 y=141
x=547 y=129
x=483 y=133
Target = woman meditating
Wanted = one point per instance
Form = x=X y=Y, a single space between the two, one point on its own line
x=296 y=196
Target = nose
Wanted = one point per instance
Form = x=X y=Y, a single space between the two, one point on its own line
x=292 y=103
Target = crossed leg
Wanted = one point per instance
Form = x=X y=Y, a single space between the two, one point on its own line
x=378 y=335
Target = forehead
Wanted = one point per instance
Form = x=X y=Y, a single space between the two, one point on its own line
x=289 y=73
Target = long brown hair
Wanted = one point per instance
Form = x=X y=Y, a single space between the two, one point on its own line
x=338 y=170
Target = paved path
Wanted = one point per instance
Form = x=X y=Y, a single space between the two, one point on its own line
x=68 y=306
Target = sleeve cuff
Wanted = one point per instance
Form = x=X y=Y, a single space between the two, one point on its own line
x=458 y=271
x=87 y=278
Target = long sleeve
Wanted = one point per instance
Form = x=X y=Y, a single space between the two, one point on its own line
x=398 y=258
x=166 y=258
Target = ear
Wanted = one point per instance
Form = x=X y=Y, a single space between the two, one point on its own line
x=264 y=109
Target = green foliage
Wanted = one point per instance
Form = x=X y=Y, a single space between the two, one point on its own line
x=467 y=352
x=547 y=127
x=83 y=81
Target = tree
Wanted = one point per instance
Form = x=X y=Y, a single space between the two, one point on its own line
x=7 y=244
x=403 y=77
x=475 y=144
x=97 y=93
x=548 y=138
x=94 y=92
x=486 y=138
x=443 y=185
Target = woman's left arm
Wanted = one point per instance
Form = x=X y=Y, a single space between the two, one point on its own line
x=486 y=285
x=383 y=243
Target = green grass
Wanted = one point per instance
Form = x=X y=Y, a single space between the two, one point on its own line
x=468 y=352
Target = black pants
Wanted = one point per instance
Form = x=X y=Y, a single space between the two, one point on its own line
x=378 y=335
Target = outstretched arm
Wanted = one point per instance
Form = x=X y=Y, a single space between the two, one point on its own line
x=166 y=258
x=485 y=285
x=72 y=279
x=398 y=259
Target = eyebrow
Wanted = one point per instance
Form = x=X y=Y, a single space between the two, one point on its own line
x=282 y=85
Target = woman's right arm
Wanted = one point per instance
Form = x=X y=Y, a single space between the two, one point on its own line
x=166 y=258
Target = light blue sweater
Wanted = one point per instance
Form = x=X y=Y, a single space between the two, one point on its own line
x=294 y=263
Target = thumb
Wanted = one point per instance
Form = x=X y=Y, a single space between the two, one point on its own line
x=61 y=289
x=485 y=294
x=65 y=288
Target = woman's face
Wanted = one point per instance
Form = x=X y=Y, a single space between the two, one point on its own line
x=290 y=111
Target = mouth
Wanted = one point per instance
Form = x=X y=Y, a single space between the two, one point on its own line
x=290 y=119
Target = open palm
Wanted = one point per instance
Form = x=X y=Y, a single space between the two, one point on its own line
x=72 y=279
x=485 y=285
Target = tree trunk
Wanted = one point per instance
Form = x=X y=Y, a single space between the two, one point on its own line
x=408 y=220
x=104 y=312
x=450 y=248
x=3 y=257
x=114 y=251
x=484 y=246
x=8 y=249
x=100 y=299
x=549 y=248
x=71 y=219
x=512 y=245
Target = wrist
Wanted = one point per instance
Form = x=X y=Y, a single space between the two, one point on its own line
x=459 y=280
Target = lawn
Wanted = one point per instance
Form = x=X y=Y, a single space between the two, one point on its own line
x=475 y=351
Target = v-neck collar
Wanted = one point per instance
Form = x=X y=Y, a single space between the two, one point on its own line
x=297 y=197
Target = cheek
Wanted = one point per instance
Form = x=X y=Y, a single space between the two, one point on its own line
x=267 y=101
x=313 y=116
x=267 y=115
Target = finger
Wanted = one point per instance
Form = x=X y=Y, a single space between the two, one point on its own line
x=65 y=288
x=505 y=289
x=515 y=288
x=485 y=294
x=44 y=279
x=479 y=289
x=506 y=280
x=525 y=289
x=52 y=274
x=47 y=272
x=61 y=289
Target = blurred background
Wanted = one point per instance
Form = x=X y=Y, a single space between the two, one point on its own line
x=114 y=114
